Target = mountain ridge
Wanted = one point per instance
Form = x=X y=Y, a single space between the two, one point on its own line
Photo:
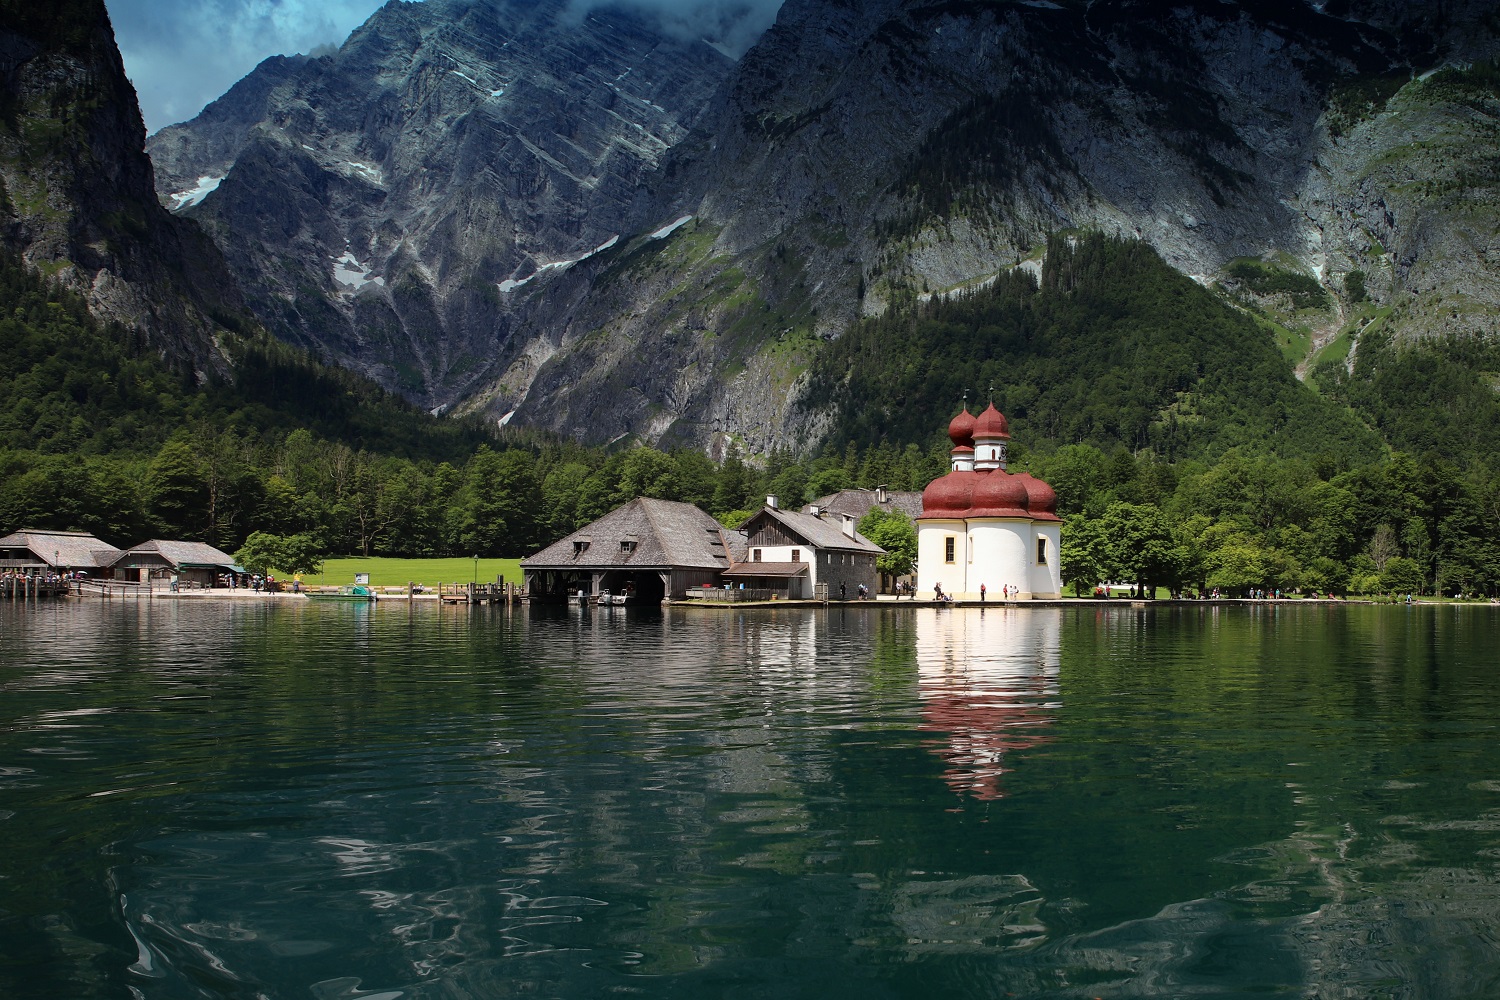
x=861 y=157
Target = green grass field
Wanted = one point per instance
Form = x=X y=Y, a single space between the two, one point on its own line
x=429 y=572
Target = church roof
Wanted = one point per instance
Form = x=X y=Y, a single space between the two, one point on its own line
x=991 y=424
x=961 y=429
x=969 y=493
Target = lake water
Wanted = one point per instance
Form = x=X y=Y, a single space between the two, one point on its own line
x=241 y=800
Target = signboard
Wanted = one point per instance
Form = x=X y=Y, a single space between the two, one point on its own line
x=361 y=579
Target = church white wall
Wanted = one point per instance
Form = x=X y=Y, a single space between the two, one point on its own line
x=932 y=564
x=990 y=551
x=999 y=558
x=1046 y=579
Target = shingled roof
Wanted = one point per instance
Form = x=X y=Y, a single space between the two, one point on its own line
x=178 y=554
x=643 y=534
x=858 y=503
x=819 y=533
x=63 y=549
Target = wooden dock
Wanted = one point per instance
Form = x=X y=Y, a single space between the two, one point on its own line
x=480 y=593
x=31 y=587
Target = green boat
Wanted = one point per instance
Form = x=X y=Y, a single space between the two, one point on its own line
x=347 y=595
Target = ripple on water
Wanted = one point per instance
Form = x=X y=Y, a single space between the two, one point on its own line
x=425 y=801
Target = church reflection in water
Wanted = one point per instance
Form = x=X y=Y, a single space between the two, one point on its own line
x=988 y=682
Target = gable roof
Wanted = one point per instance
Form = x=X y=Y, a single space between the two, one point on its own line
x=817 y=532
x=73 y=549
x=665 y=534
x=861 y=502
x=178 y=554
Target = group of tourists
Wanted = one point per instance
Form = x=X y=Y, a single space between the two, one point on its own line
x=1009 y=592
x=862 y=593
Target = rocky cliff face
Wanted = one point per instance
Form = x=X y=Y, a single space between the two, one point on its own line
x=621 y=234
x=379 y=204
x=78 y=198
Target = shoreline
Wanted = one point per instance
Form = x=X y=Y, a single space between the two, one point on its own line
x=882 y=601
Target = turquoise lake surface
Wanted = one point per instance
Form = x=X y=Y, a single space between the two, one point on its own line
x=205 y=799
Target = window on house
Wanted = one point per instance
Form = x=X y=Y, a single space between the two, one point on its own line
x=626 y=545
x=948 y=549
x=796 y=555
x=1041 y=551
x=755 y=555
x=580 y=546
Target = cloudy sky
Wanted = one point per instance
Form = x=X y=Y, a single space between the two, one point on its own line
x=182 y=54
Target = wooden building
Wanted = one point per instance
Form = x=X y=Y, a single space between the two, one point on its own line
x=859 y=502
x=648 y=549
x=792 y=554
x=29 y=551
x=195 y=563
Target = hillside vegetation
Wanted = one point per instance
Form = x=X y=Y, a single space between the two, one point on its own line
x=1112 y=348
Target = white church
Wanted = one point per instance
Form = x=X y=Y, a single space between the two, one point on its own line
x=983 y=529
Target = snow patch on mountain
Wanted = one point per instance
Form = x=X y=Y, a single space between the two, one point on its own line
x=670 y=228
x=511 y=284
x=194 y=195
x=349 y=273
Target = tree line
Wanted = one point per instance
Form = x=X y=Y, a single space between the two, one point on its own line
x=1255 y=522
x=220 y=486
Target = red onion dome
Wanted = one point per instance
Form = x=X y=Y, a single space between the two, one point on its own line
x=991 y=424
x=1000 y=494
x=949 y=495
x=1043 y=498
x=961 y=429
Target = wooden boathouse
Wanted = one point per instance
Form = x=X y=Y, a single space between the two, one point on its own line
x=650 y=550
x=32 y=552
x=195 y=564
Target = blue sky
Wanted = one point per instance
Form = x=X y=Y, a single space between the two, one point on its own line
x=182 y=54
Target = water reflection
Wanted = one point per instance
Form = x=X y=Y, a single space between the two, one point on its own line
x=433 y=802
x=989 y=683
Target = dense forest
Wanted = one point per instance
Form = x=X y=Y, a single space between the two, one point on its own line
x=1111 y=348
x=1183 y=450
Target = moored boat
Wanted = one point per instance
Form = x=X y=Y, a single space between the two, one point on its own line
x=355 y=594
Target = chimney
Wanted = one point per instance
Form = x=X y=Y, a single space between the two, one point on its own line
x=771 y=501
x=880 y=496
x=849 y=525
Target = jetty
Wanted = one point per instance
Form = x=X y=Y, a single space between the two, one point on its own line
x=31 y=587
x=480 y=593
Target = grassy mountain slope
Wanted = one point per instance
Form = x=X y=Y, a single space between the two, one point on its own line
x=1113 y=348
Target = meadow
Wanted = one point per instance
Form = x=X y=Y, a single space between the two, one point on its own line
x=392 y=572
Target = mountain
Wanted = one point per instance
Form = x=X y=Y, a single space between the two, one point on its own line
x=609 y=230
x=77 y=192
x=379 y=203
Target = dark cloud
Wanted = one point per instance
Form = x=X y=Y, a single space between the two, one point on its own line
x=182 y=54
